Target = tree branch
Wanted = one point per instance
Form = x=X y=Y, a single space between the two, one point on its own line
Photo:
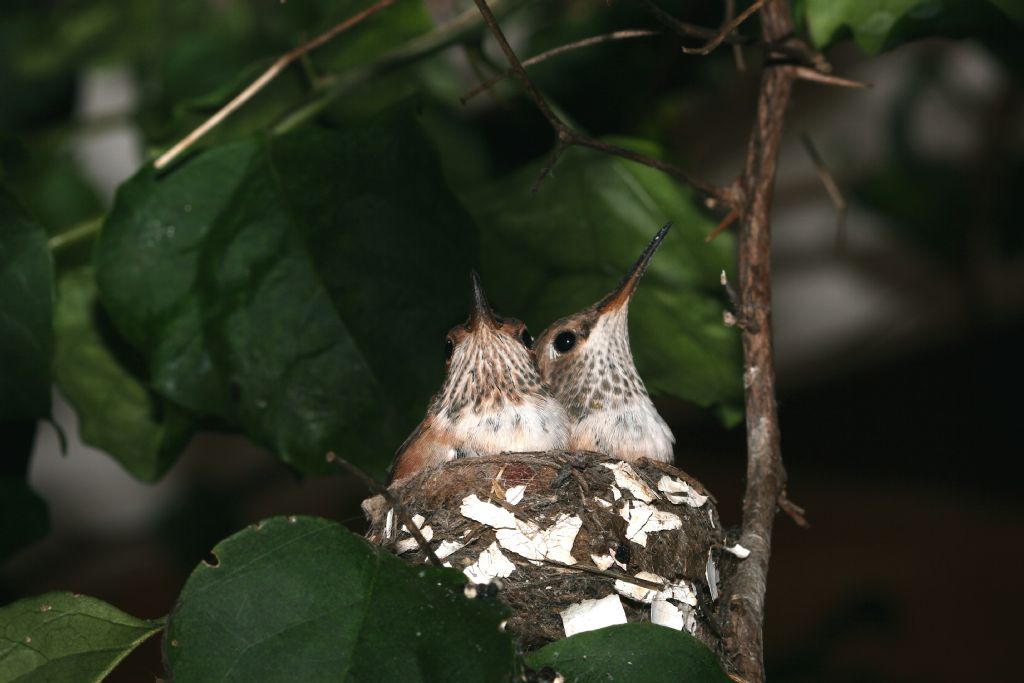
x=279 y=65
x=567 y=137
x=766 y=476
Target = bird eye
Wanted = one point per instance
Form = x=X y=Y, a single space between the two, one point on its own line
x=449 y=348
x=565 y=341
x=527 y=338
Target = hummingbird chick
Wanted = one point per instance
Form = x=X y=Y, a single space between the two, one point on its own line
x=586 y=361
x=492 y=400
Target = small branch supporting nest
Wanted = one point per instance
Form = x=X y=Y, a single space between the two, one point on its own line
x=766 y=476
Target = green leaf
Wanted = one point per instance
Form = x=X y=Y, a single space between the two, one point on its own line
x=631 y=653
x=64 y=637
x=26 y=311
x=303 y=599
x=878 y=25
x=116 y=411
x=299 y=286
x=551 y=253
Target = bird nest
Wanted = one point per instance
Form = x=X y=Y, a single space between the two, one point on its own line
x=570 y=541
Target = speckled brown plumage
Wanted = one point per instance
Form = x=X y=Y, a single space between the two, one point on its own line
x=492 y=400
x=596 y=380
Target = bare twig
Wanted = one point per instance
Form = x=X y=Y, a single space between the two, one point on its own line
x=728 y=28
x=805 y=73
x=597 y=571
x=567 y=137
x=797 y=51
x=795 y=512
x=276 y=68
x=561 y=49
x=737 y=51
x=834 y=193
x=729 y=219
x=403 y=514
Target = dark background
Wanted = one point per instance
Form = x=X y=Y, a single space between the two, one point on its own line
x=899 y=361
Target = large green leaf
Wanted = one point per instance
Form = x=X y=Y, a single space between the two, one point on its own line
x=552 y=253
x=302 y=599
x=116 y=411
x=877 y=25
x=631 y=653
x=26 y=310
x=67 y=638
x=297 y=286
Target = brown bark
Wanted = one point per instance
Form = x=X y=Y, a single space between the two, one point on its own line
x=766 y=476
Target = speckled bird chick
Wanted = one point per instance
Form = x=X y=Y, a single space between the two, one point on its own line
x=492 y=400
x=586 y=360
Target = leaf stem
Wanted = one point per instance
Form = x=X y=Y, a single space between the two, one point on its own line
x=79 y=233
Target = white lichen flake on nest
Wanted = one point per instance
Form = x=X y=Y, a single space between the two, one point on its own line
x=665 y=613
x=591 y=615
x=606 y=560
x=627 y=478
x=671 y=605
x=679 y=492
x=515 y=494
x=408 y=544
x=739 y=551
x=711 y=576
x=447 y=548
x=643 y=519
x=486 y=513
x=554 y=543
x=524 y=538
x=491 y=564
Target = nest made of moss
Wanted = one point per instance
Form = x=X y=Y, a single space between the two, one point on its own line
x=575 y=541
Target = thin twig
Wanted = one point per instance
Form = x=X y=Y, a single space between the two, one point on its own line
x=729 y=27
x=788 y=47
x=834 y=193
x=729 y=219
x=805 y=73
x=276 y=68
x=561 y=49
x=795 y=512
x=403 y=514
x=597 y=571
x=464 y=26
x=737 y=51
x=82 y=231
x=566 y=136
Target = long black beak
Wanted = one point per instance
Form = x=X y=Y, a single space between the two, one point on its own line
x=480 y=311
x=624 y=292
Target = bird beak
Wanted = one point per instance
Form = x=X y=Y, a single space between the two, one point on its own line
x=624 y=292
x=480 y=311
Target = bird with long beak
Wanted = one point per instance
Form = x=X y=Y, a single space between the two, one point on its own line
x=586 y=361
x=492 y=400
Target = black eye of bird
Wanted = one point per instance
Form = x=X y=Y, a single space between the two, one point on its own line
x=527 y=338
x=449 y=349
x=565 y=341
